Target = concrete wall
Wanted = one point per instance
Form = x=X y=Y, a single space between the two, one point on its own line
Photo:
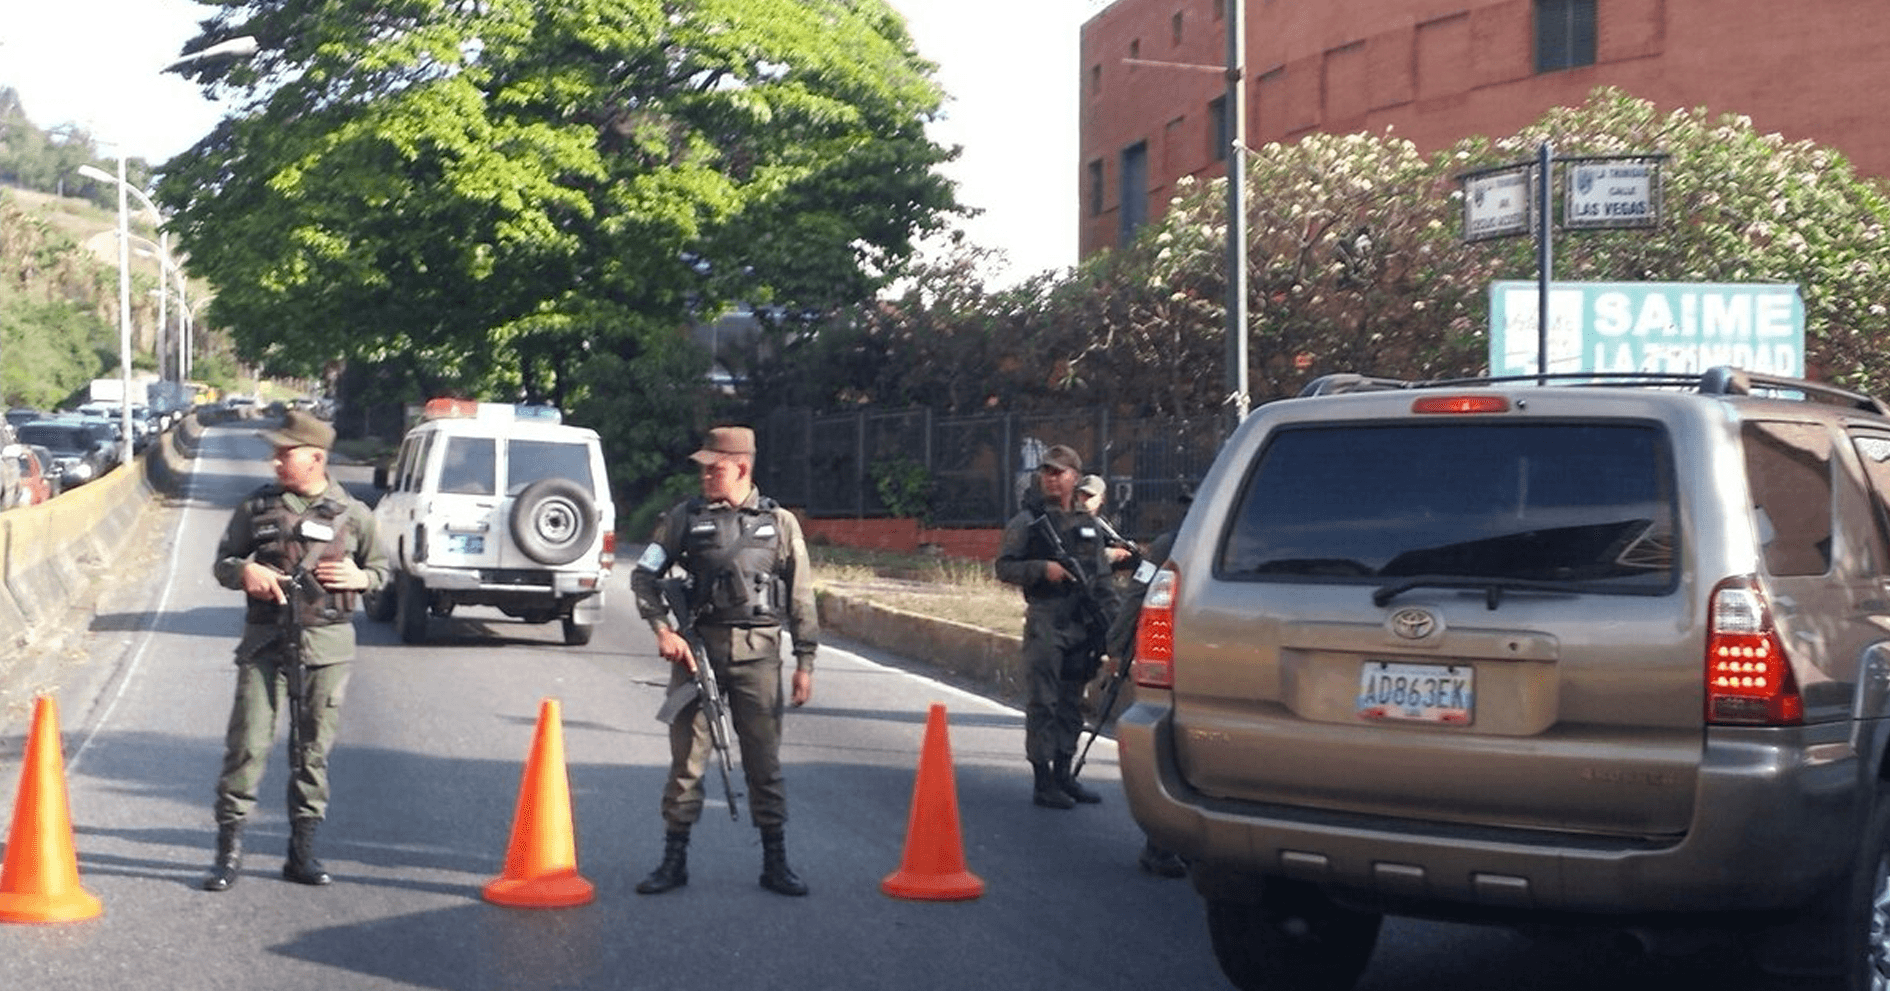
x=49 y=552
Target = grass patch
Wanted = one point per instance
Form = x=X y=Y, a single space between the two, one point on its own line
x=958 y=589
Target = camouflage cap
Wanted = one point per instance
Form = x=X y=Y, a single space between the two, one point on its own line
x=300 y=428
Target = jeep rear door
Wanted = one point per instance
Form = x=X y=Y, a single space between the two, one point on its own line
x=1469 y=619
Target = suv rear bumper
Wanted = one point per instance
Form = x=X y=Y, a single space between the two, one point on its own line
x=1767 y=833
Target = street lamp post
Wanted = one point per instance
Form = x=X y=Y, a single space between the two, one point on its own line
x=238 y=47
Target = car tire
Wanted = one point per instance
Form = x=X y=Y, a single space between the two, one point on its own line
x=576 y=634
x=554 y=521
x=1292 y=939
x=410 y=609
x=1842 y=941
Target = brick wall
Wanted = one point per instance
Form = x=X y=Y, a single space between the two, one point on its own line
x=904 y=536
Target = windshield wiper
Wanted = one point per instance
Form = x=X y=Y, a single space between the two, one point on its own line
x=1493 y=588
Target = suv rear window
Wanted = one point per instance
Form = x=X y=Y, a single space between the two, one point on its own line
x=1538 y=501
x=533 y=460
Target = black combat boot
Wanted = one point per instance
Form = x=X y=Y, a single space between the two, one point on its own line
x=673 y=872
x=1047 y=793
x=1072 y=787
x=776 y=875
x=229 y=857
x=302 y=867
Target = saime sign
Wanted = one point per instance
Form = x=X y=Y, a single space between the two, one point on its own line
x=1649 y=327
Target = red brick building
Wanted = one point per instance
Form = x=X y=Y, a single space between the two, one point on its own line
x=1439 y=70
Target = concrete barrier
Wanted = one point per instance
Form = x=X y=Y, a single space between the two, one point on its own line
x=48 y=552
x=993 y=661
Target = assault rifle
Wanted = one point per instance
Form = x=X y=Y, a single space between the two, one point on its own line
x=1095 y=617
x=702 y=687
x=299 y=584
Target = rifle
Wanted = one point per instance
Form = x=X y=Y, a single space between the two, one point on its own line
x=300 y=583
x=1095 y=617
x=701 y=687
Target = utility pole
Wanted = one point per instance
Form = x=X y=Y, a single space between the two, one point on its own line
x=1237 y=209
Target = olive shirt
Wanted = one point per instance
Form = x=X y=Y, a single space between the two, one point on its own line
x=667 y=546
x=331 y=644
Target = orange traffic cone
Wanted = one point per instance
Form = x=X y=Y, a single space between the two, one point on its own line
x=541 y=860
x=40 y=880
x=934 y=865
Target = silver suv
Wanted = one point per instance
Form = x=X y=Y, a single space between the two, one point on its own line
x=496 y=504
x=1611 y=651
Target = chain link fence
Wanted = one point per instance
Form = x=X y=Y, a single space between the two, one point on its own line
x=970 y=470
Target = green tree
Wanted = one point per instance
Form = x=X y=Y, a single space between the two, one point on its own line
x=512 y=192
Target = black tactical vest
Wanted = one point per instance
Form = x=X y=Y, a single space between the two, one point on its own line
x=287 y=541
x=730 y=554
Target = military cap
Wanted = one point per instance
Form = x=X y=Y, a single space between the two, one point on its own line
x=300 y=428
x=1091 y=485
x=1064 y=457
x=724 y=443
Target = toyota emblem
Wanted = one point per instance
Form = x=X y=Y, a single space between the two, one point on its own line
x=1415 y=623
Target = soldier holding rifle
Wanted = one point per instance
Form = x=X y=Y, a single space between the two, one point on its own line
x=1054 y=550
x=748 y=577
x=302 y=550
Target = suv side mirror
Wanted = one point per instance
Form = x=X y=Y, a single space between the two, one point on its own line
x=380 y=477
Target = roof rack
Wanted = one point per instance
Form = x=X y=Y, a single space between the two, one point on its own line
x=1721 y=380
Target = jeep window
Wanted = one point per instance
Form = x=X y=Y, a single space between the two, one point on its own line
x=469 y=466
x=1554 y=502
x=1788 y=467
x=532 y=460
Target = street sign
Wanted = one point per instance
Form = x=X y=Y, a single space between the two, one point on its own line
x=1496 y=203
x=1613 y=192
x=1649 y=327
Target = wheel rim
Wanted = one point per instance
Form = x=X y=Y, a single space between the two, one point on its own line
x=1879 y=945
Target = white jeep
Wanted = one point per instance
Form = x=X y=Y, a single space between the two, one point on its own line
x=495 y=504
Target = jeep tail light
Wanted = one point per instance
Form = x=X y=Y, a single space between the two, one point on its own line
x=1154 y=665
x=1749 y=680
x=608 y=559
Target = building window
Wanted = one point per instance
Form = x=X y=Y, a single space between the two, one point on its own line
x=1095 y=188
x=1134 y=210
x=1095 y=79
x=1135 y=48
x=1220 y=7
x=1174 y=28
x=1565 y=34
x=1220 y=129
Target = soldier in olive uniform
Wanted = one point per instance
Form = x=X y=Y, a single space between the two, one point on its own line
x=1061 y=650
x=305 y=524
x=748 y=577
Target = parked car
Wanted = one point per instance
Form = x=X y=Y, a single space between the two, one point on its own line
x=80 y=451
x=1614 y=652
x=33 y=469
x=499 y=505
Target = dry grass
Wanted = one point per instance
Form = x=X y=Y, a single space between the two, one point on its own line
x=957 y=589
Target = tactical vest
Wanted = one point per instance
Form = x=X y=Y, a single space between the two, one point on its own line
x=280 y=541
x=1084 y=541
x=730 y=555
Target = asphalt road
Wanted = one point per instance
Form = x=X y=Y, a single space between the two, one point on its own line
x=427 y=775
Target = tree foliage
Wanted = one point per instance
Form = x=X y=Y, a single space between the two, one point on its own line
x=1355 y=263
x=473 y=183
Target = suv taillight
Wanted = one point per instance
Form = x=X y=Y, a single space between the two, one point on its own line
x=608 y=559
x=1155 y=633
x=1748 y=678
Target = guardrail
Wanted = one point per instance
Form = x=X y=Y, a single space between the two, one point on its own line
x=49 y=553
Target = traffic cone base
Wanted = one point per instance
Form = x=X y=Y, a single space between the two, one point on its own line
x=541 y=859
x=39 y=880
x=934 y=864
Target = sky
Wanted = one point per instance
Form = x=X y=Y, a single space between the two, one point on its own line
x=1009 y=68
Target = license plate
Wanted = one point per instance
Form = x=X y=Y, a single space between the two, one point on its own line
x=466 y=543
x=1417 y=693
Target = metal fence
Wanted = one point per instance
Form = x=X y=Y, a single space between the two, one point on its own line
x=976 y=466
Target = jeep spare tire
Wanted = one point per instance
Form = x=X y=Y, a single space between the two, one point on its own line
x=554 y=521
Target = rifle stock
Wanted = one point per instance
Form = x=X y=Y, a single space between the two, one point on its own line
x=702 y=687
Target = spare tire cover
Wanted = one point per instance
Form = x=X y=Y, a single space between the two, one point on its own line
x=554 y=521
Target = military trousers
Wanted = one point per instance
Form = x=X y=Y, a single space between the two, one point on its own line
x=1053 y=704
x=262 y=691
x=747 y=666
